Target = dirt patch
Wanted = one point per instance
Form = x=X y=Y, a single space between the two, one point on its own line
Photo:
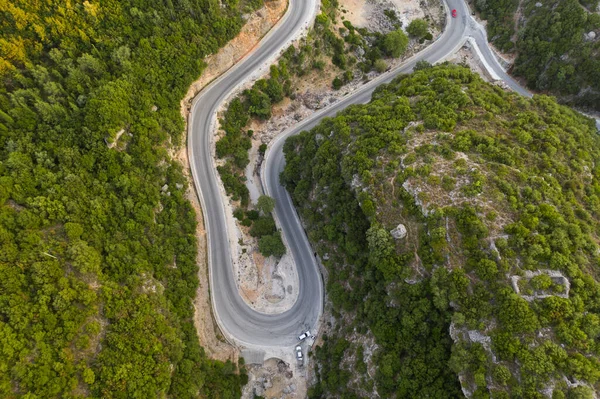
x=258 y=24
x=354 y=11
x=274 y=379
x=371 y=14
x=267 y=285
x=466 y=56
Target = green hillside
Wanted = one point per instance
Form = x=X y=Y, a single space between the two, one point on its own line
x=556 y=43
x=494 y=288
x=97 y=241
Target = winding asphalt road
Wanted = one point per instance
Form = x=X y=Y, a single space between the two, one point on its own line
x=238 y=321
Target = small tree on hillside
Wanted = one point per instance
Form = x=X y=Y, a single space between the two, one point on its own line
x=417 y=28
x=272 y=245
x=265 y=204
x=395 y=43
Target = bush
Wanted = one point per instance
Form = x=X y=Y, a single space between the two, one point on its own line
x=265 y=204
x=418 y=28
x=263 y=226
x=337 y=83
x=395 y=43
x=238 y=213
x=252 y=214
x=246 y=222
x=541 y=282
x=262 y=149
x=271 y=245
x=380 y=66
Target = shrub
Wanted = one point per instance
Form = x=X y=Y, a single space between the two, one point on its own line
x=395 y=43
x=271 y=245
x=418 y=28
x=380 y=65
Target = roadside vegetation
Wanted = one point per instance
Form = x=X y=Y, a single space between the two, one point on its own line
x=97 y=240
x=556 y=42
x=490 y=188
x=352 y=51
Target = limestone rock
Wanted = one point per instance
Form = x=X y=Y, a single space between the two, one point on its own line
x=399 y=232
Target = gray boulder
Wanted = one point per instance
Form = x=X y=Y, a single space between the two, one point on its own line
x=399 y=232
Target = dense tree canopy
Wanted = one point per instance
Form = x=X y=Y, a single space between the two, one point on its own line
x=551 y=39
x=97 y=248
x=498 y=195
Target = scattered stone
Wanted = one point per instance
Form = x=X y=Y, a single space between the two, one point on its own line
x=286 y=390
x=293 y=387
x=164 y=188
x=281 y=366
x=312 y=101
x=360 y=52
x=538 y=4
x=259 y=391
x=476 y=336
x=356 y=181
x=590 y=36
x=154 y=108
x=179 y=186
x=399 y=232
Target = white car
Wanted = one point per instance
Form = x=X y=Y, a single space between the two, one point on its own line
x=299 y=352
x=303 y=336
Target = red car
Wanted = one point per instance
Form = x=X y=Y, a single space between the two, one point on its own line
x=453 y=13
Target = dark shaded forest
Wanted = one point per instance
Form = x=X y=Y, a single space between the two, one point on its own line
x=97 y=240
x=555 y=52
x=495 y=282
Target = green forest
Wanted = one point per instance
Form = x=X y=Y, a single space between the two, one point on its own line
x=554 y=52
x=97 y=239
x=494 y=287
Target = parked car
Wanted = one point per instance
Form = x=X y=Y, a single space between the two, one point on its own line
x=454 y=13
x=304 y=335
x=299 y=352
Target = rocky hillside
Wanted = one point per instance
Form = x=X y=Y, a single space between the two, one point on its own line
x=458 y=224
